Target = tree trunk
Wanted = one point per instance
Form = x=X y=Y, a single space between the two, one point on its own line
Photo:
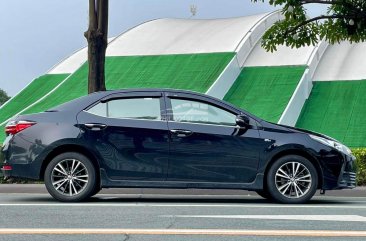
x=97 y=44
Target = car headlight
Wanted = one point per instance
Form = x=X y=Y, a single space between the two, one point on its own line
x=340 y=147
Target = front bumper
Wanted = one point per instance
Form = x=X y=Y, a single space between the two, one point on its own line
x=339 y=171
x=347 y=177
x=347 y=180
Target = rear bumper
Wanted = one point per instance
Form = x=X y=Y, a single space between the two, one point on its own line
x=22 y=171
x=6 y=173
x=21 y=159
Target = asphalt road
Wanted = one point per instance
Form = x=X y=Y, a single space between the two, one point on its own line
x=28 y=213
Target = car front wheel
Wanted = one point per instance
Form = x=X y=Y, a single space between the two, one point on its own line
x=292 y=179
x=70 y=177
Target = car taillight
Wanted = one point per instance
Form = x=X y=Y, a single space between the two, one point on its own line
x=6 y=168
x=15 y=127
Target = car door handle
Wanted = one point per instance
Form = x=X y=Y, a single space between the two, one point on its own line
x=181 y=133
x=95 y=126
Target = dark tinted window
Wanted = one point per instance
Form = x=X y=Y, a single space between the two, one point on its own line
x=200 y=112
x=134 y=108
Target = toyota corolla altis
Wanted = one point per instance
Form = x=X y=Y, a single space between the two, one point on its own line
x=164 y=138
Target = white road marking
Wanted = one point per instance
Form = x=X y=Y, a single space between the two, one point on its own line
x=340 y=218
x=221 y=232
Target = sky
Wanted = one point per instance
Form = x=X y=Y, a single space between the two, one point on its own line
x=37 y=34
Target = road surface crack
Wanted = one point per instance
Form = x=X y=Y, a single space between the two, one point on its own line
x=127 y=237
x=172 y=223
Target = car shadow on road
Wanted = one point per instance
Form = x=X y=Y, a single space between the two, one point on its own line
x=244 y=200
x=147 y=199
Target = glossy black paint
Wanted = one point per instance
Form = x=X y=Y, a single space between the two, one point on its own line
x=130 y=149
x=212 y=153
x=168 y=154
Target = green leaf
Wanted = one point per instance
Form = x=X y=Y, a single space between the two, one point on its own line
x=296 y=30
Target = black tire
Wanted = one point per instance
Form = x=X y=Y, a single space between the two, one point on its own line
x=96 y=190
x=264 y=194
x=86 y=171
x=294 y=190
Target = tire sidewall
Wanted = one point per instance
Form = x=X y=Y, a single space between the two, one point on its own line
x=88 y=190
x=271 y=184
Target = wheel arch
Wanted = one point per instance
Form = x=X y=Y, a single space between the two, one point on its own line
x=70 y=148
x=297 y=152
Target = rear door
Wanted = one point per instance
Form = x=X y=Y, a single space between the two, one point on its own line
x=130 y=134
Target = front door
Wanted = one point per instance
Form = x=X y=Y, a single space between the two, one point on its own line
x=206 y=145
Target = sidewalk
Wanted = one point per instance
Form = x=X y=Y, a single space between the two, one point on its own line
x=40 y=189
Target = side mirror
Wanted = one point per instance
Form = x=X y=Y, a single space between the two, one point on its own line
x=242 y=120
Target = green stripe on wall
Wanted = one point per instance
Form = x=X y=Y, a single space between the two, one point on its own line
x=337 y=109
x=265 y=91
x=187 y=71
x=33 y=92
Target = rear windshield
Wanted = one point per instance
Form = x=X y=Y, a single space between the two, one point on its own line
x=79 y=103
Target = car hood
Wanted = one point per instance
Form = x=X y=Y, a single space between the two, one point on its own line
x=296 y=130
x=299 y=130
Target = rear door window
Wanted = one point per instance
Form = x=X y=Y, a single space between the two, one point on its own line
x=130 y=108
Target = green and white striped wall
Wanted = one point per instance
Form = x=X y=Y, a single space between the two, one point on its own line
x=222 y=58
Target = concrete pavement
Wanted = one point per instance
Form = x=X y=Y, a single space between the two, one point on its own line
x=151 y=214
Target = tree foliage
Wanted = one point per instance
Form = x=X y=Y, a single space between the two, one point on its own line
x=3 y=97
x=343 y=20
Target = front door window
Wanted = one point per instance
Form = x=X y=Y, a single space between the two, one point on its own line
x=184 y=110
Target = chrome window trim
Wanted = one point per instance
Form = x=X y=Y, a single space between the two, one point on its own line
x=195 y=123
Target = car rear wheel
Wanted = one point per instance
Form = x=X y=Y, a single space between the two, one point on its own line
x=70 y=177
x=292 y=179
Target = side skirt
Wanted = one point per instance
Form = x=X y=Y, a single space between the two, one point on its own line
x=106 y=182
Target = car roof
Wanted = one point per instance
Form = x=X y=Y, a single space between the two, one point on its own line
x=85 y=100
x=110 y=92
x=150 y=90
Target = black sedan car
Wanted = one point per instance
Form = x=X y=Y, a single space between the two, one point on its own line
x=165 y=138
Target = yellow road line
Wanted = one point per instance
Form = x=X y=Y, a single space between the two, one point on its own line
x=224 y=232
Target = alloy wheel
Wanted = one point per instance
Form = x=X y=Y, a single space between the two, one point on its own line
x=293 y=179
x=69 y=177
